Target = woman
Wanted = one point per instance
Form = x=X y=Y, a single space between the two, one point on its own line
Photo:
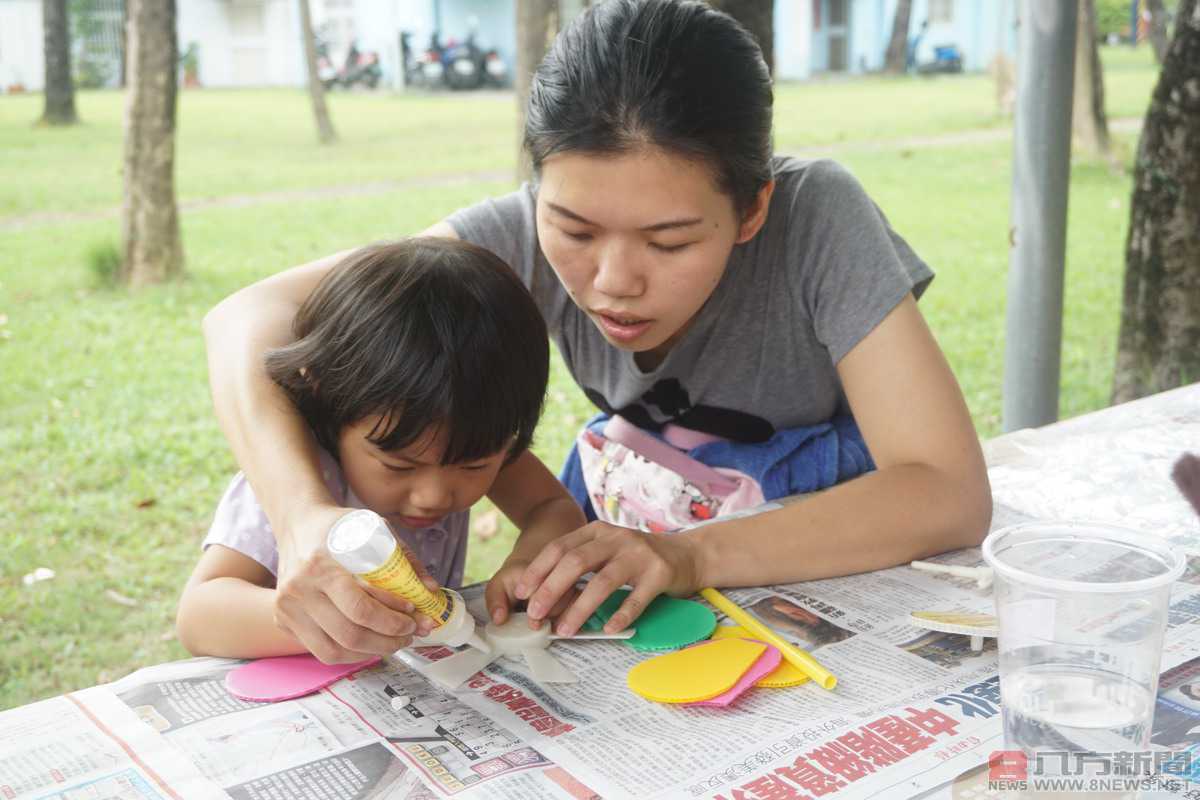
x=689 y=279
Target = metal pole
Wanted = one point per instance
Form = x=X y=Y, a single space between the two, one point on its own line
x=1041 y=168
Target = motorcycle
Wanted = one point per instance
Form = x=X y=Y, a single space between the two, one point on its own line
x=463 y=64
x=947 y=58
x=457 y=65
x=326 y=72
x=361 y=68
x=495 y=71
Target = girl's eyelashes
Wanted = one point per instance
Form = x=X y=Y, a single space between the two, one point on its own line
x=397 y=467
x=670 y=248
x=578 y=236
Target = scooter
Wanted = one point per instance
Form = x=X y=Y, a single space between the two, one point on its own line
x=326 y=73
x=495 y=71
x=947 y=58
x=361 y=68
x=463 y=64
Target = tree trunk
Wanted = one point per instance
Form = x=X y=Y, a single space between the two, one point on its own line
x=895 y=60
x=1088 y=120
x=60 y=91
x=1159 y=343
x=537 y=23
x=758 y=17
x=1158 y=29
x=316 y=90
x=150 y=221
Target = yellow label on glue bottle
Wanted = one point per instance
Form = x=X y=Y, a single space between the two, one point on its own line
x=398 y=577
x=362 y=542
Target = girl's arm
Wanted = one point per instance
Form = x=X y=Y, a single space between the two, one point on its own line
x=319 y=603
x=228 y=609
x=542 y=509
x=929 y=494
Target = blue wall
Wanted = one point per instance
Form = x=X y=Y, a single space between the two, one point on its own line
x=977 y=27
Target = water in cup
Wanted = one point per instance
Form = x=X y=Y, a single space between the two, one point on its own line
x=1082 y=611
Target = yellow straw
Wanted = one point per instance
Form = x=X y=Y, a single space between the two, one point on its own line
x=795 y=656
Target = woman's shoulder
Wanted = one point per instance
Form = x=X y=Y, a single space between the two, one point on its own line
x=506 y=225
x=497 y=216
x=814 y=182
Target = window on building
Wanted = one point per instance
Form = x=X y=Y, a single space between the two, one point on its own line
x=246 y=20
x=837 y=12
x=941 y=11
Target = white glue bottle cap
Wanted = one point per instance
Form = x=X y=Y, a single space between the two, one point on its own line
x=362 y=542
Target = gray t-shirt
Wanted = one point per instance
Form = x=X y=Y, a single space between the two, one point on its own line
x=825 y=269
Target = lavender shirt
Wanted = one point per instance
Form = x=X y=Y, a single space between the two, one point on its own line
x=241 y=524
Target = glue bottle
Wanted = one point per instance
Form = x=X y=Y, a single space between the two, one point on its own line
x=362 y=542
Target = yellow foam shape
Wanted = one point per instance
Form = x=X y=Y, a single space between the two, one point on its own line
x=783 y=676
x=696 y=673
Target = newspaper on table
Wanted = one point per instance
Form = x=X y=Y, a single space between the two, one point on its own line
x=913 y=708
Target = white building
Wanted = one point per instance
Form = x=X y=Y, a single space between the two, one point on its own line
x=244 y=43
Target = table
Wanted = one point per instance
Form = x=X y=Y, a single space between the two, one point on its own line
x=914 y=710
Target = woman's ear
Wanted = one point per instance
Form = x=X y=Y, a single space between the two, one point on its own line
x=308 y=376
x=756 y=215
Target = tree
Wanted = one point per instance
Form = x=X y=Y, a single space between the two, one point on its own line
x=1112 y=18
x=758 y=17
x=537 y=24
x=895 y=60
x=1088 y=120
x=150 y=220
x=1159 y=344
x=60 y=91
x=1158 y=28
x=316 y=90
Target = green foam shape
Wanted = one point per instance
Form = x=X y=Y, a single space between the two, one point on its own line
x=667 y=623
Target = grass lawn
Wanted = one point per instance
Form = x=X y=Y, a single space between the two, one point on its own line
x=112 y=459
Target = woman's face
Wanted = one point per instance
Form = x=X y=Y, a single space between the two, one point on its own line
x=639 y=240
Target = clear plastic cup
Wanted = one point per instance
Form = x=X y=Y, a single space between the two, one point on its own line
x=1082 y=610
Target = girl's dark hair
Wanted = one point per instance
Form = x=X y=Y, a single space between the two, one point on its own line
x=672 y=73
x=423 y=332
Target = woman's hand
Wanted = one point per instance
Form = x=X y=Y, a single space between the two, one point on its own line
x=652 y=563
x=335 y=616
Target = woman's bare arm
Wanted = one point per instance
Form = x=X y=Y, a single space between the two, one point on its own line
x=929 y=494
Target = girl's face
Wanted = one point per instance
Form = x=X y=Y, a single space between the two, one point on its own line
x=410 y=487
x=639 y=240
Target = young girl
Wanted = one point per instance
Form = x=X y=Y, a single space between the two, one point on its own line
x=692 y=280
x=419 y=368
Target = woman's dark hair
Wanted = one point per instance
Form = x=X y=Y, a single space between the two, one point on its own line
x=425 y=331
x=672 y=73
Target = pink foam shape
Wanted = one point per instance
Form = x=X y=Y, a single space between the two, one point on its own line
x=766 y=663
x=269 y=680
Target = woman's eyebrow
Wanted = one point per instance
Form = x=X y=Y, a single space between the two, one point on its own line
x=658 y=226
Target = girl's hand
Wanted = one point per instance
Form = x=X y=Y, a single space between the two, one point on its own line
x=501 y=593
x=332 y=614
x=652 y=563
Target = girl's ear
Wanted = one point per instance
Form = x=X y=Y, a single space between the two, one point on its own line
x=756 y=215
